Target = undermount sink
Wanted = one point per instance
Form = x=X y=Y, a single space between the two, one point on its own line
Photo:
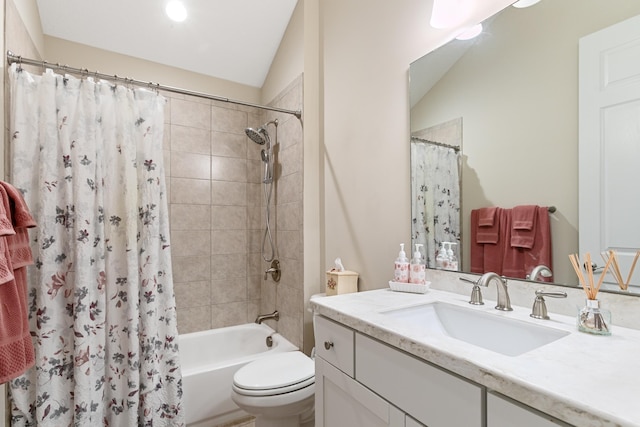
x=507 y=336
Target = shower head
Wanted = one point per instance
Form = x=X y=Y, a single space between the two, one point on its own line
x=256 y=136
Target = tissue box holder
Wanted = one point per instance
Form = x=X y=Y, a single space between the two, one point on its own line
x=341 y=282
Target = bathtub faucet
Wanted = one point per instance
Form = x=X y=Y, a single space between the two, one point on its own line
x=262 y=317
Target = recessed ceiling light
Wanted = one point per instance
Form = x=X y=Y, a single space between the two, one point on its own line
x=524 y=3
x=176 y=11
x=470 y=33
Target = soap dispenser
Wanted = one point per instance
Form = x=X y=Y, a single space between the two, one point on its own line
x=417 y=273
x=452 y=259
x=401 y=267
x=441 y=258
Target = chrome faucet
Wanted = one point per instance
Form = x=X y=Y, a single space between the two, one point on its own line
x=504 y=303
x=262 y=317
x=539 y=270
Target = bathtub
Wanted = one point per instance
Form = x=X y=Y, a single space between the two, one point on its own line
x=209 y=359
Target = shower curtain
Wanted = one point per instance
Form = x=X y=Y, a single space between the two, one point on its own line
x=435 y=197
x=87 y=156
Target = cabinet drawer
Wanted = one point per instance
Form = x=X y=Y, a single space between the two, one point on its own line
x=431 y=395
x=334 y=343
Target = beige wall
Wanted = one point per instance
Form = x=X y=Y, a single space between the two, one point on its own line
x=517 y=92
x=367 y=48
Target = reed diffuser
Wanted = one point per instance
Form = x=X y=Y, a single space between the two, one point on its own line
x=615 y=268
x=591 y=318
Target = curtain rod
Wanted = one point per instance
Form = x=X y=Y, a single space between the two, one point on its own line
x=439 y=144
x=13 y=58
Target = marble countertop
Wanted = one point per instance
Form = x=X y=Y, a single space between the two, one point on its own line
x=582 y=379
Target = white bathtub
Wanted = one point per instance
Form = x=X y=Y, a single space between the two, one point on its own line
x=210 y=358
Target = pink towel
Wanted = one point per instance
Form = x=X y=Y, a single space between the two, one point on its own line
x=489 y=233
x=487 y=256
x=487 y=216
x=16 y=347
x=523 y=229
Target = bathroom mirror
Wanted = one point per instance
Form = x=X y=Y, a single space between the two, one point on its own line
x=514 y=90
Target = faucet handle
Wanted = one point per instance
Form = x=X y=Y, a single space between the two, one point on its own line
x=539 y=309
x=476 y=293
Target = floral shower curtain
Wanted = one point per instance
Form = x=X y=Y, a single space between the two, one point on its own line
x=87 y=156
x=435 y=197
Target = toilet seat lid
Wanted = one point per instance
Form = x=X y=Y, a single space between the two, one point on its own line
x=276 y=371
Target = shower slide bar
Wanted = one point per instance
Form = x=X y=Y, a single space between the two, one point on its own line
x=13 y=58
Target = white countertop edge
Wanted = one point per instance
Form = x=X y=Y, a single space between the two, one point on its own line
x=360 y=311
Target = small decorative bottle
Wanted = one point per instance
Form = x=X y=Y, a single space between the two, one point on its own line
x=593 y=319
x=417 y=273
x=401 y=266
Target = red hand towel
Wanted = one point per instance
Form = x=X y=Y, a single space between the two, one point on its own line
x=489 y=233
x=523 y=226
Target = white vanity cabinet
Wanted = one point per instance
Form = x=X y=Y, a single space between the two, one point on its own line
x=340 y=399
x=362 y=382
x=504 y=412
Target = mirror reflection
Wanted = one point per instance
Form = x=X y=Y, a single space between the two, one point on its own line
x=508 y=102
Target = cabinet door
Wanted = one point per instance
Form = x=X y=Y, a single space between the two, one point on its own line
x=341 y=401
x=504 y=412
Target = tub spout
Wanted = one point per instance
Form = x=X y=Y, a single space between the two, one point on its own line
x=262 y=317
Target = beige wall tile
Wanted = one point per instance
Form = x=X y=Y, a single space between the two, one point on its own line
x=228 y=217
x=190 y=165
x=290 y=216
x=192 y=294
x=228 y=242
x=190 y=191
x=229 y=290
x=228 y=266
x=187 y=139
x=228 y=169
x=229 y=193
x=229 y=144
x=229 y=314
x=191 y=268
x=290 y=188
x=190 y=217
x=191 y=114
x=290 y=244
x=191 y=242
x=226 y=120
x=194 y=319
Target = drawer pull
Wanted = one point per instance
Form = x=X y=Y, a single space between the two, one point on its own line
x=328 y=345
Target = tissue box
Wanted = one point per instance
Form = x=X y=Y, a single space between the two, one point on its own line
x=341 y=282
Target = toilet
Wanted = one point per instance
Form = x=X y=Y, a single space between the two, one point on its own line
x=278 y=390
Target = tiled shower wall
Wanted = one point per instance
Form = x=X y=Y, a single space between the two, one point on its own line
x=217 y=213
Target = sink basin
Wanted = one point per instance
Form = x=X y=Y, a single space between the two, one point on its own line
x=507 y=336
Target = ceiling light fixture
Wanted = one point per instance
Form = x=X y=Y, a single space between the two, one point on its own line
x=524 y=3
x=470 y=33
x=449 y=13
x=176 y=11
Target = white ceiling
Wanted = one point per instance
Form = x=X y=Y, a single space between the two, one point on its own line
x=234 y=40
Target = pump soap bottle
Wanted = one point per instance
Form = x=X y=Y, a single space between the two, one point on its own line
x=401 y=267
x=417 y=273
x=453 y=260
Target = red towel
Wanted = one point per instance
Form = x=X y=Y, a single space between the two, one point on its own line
x=523 y=230
x=487 y=256
x=519 y=261
x=490 y=232
x=487 y=216
x=16 y=348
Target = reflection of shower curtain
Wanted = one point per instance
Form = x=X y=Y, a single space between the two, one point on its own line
x=88 y=158
x=435 y=197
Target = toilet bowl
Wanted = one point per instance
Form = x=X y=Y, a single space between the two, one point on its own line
x=278 y=390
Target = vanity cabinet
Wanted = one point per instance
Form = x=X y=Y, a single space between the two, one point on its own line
x=505 y=412
x=361 y=382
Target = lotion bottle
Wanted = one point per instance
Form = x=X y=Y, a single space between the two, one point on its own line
x=451 y=256
x=441 y=258
x=401 y=267
x=417 y=273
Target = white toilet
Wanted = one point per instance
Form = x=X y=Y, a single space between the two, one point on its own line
x=278 y=390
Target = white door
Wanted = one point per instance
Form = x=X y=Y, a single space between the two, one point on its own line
x=609 y=144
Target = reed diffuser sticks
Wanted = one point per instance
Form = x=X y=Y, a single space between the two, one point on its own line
x=615 y=268
x=587 y=280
